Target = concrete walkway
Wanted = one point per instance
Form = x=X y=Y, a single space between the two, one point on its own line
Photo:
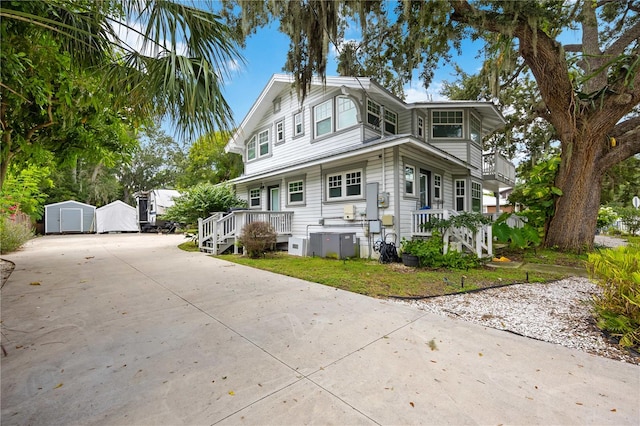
x=127 y=329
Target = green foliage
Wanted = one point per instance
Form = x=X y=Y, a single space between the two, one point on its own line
x=257 y=238
x=630 y=216
x=430 y=253
x=606 y=217
x=470 y=220
x=200 y=201
x=23 y=191
x=537 y=193
x=13 y=235
x=618 y=308
x=517 y=237
x=207 y=161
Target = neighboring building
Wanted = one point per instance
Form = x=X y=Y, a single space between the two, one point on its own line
x=69 y=217
x=353 y=158
x=501 y=200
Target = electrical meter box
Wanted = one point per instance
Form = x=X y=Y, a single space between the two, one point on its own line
x=383 y=200
x=333 y=244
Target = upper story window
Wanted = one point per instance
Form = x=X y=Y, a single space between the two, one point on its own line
x=446 y=124
x=280 y=131
x=322 y=117
x=476 y=129
x=390 y=122
x=258 y=146
x=420 y=127
x=410 y=180
x=344 y=185
x=347 y=112
x=254 y=197
x=298 y=124
x=374 y=117
x=437 y=187
x=296 y=192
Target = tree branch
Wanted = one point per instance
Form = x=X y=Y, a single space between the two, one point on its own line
x=628 y=37
x=627 y=145
x=41 y=126
x=572 y=47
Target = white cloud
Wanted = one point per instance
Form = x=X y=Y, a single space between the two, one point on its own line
x=130 y=35
x=415 y=92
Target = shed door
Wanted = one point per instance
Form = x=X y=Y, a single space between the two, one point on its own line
x=70 y=220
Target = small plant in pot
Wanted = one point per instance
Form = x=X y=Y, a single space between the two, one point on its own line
x=409 y=250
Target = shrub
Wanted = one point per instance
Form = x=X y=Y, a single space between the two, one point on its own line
x=430 y=253
x=606 y=217
x=618 y=308
x=200 y=201
x=519 y=238
x=257 y=238
x=13 y=235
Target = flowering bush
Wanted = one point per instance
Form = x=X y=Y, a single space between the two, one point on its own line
x=606 y=217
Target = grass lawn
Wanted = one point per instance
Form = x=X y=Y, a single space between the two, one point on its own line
x=383 y=280
x=379 y=280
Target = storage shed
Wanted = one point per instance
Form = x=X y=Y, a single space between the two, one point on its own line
x=69 y=217
x=116 y=217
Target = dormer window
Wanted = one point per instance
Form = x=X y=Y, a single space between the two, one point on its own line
x=475 y=128
x=446 y=124
x=347 y=113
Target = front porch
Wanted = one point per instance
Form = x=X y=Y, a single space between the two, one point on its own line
x=220 y=231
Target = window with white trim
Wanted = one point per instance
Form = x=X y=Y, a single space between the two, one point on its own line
x=410 y=180
x=347 y=113
x=296 y=192
x=446 y=124
x=263 y=143
x=251 y=149
x=254 y=197
x=280 y=131
x=322 y=117
x=437 y=187
x=476 y=197
x=420 y=127
x=390 y=122
x=475 y=127
x=460 y=188
x=344 y=185
x=298 y=124
x=373 y=113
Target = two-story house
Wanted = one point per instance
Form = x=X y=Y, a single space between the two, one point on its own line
x=355 y=159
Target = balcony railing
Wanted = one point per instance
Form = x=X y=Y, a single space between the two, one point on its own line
x=496 y=166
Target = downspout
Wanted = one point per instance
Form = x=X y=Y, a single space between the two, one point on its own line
x=396 y=191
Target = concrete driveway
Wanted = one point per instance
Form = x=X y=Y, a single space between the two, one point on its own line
x=127 y=329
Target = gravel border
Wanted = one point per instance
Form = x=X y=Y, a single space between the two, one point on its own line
x=557 y=312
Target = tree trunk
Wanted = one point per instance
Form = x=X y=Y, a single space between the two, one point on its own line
x=574 y=223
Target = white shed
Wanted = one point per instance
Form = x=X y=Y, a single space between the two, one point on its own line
x=116 y=217
x=69 y=217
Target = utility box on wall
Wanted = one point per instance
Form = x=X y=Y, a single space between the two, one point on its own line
x=297 y=246
x=349 y=212
x=334 y=245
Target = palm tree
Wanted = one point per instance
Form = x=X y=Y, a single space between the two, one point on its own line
x=154 y=58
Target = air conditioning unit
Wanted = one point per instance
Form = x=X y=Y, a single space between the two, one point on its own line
x=297 y=246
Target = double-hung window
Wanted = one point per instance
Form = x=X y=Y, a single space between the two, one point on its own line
x=476 y=196
x=251 y=149
x=344 y=185
x=437 y=187
x=376 y=118
x=296 y=192
x=263 y=142
x=475 y=129
x=280 y=131
x=420 y=127
x=390 y=122
x=298 y=124
x=254 y=197
x=460 y=185
x=347 y=113
x=446 y=124
x=410 y=180
x=322 y=118
x=373 y=113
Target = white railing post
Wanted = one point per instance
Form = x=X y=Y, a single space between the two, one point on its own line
x=200 y=233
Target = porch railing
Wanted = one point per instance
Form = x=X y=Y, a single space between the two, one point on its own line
x=480 y=242
x=220 y=230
